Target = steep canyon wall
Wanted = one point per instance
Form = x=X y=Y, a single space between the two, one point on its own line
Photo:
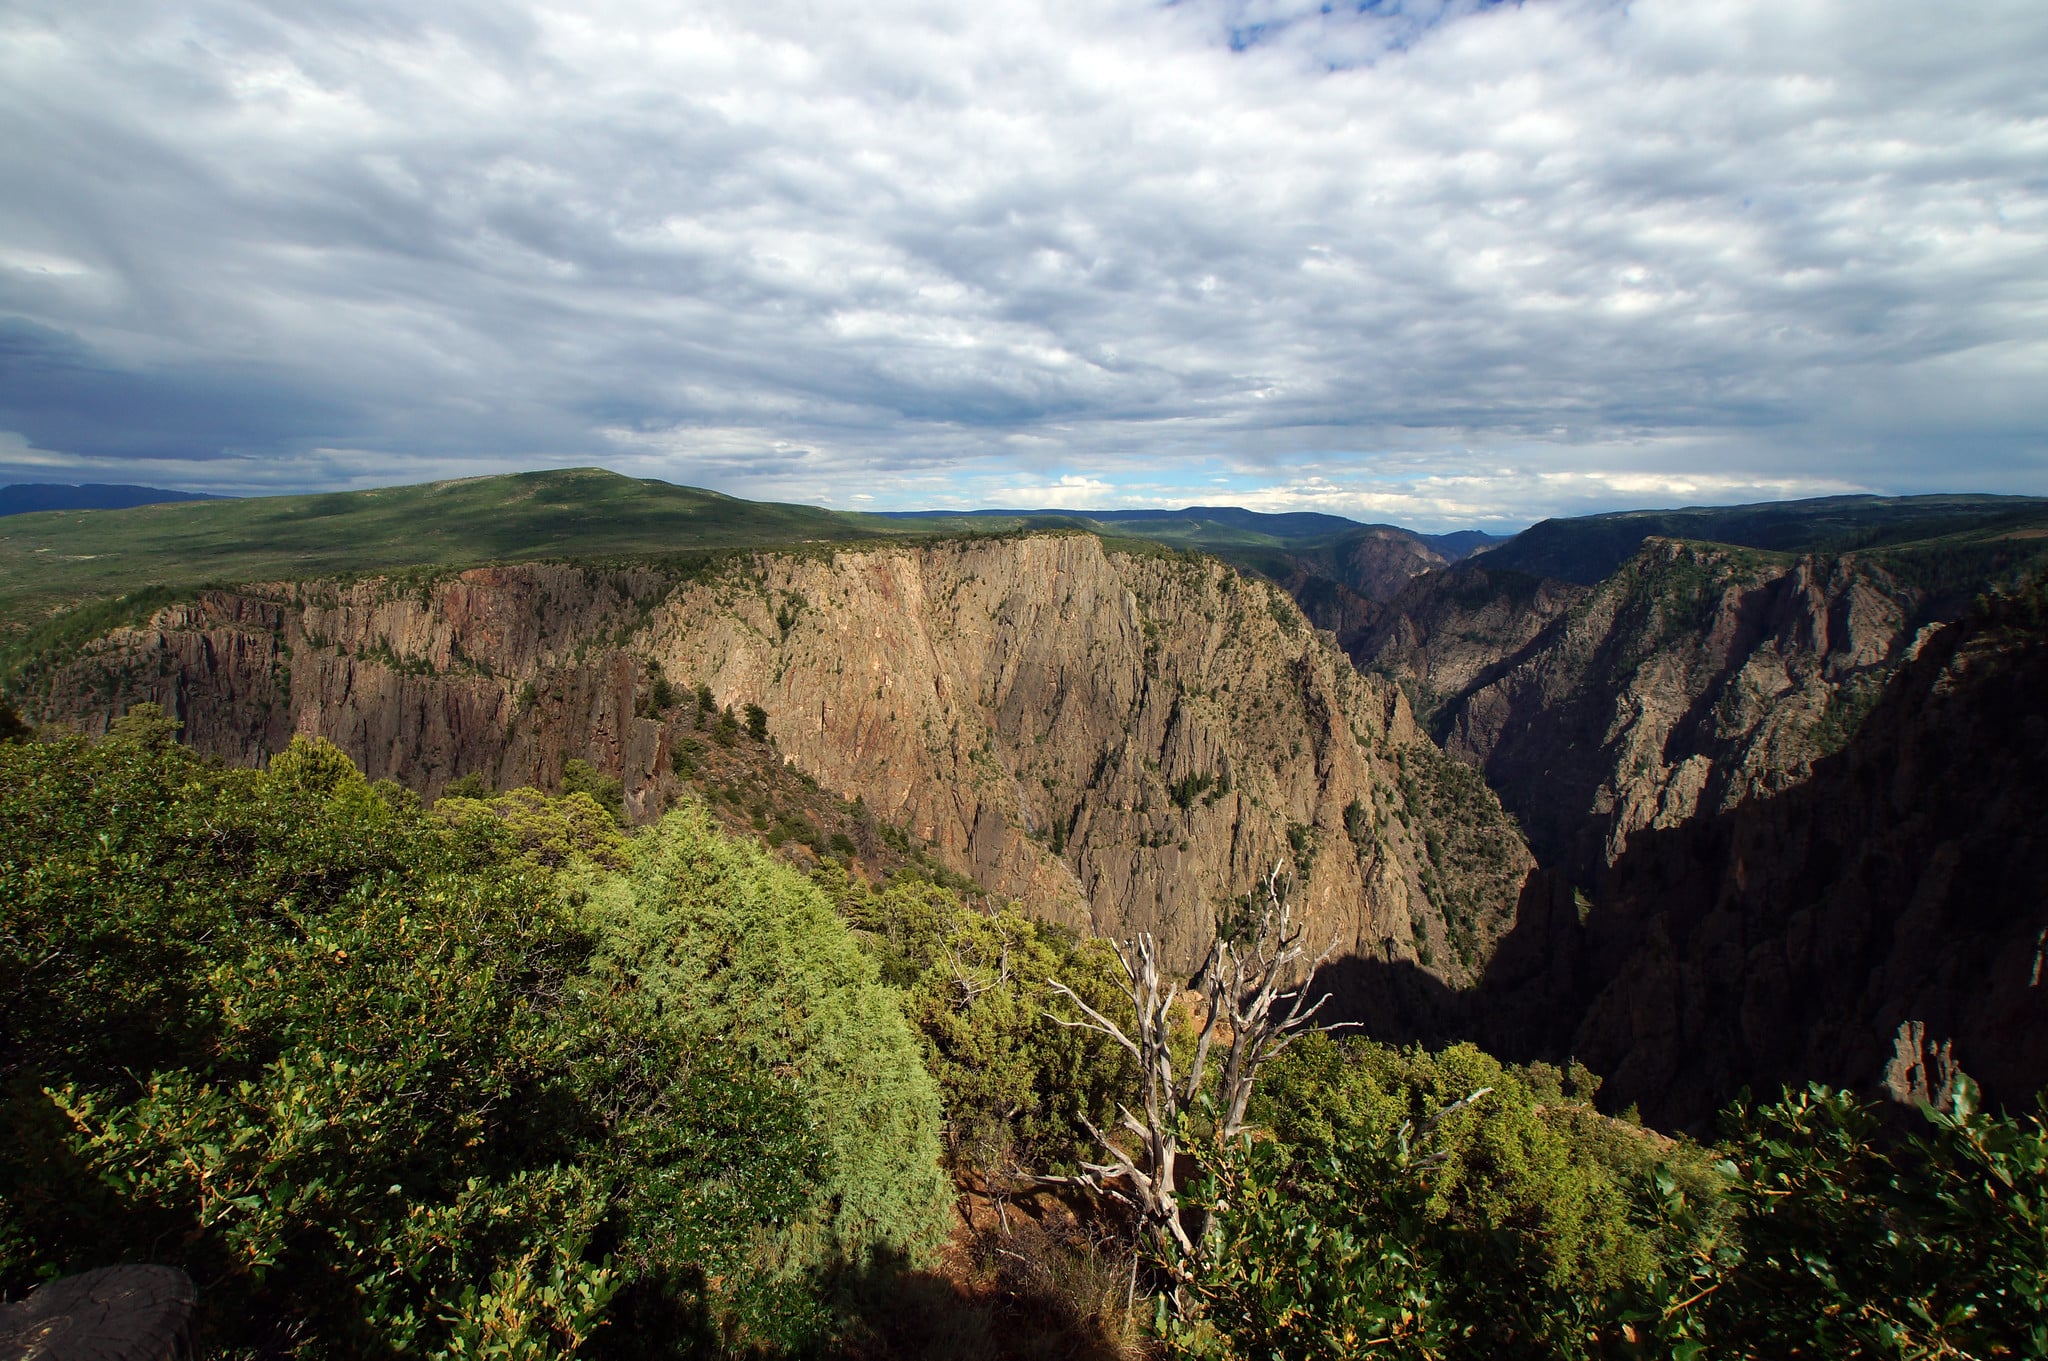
x=1123 y=741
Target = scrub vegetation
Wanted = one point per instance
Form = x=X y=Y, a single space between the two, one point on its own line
x=495 y=1077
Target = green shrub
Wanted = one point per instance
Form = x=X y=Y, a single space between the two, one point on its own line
x=719 y=931
x=606 y=791
x=551 y=832
x=975 y=984
x=1527 y=1217
x=1850 y=1243
x=470 y=786
x=387 y=1083
x=1362 y=1227
x=340 y=1061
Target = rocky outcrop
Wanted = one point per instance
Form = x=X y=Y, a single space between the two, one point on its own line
x=1378 y=561
x=1123 y=741
x=1695 y=677
x=1343 y=586
x=1880 y=924
x=1448 y=632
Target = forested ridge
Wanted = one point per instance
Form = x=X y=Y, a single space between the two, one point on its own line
x=494 y=1077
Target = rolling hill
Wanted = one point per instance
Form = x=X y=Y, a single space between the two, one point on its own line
x=57 y=560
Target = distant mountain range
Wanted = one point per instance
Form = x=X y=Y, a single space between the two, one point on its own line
x=23 y=498
x=1586 y=548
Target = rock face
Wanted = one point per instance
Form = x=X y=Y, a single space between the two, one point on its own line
x=1124 y=741
x=1694 y=677
x=1343 y=586
x=1882 y=922
x=1447 y=632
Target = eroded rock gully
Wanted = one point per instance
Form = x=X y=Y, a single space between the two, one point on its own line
x=1695 y=677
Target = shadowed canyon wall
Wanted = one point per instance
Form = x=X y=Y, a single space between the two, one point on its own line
x=1879 y=920
x=1694 y=677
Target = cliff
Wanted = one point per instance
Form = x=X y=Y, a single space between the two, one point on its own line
x=1692 y=678
x=1124 y=741
x=1874 y=924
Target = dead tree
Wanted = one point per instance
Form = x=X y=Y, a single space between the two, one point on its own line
x=1254 y=999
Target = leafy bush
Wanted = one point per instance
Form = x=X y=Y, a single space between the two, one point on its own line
x=470 y=786
x=1528 y=1213
x=606 y=791
x=976 y=985
x=383 y=1087
x=1307 y=1258
x=1853 y=1244
x=549 y=831
x=1512 y=1228
x=721 y=932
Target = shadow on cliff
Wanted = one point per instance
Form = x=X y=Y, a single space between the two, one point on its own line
x=1393 y=1001
x=1863 y=926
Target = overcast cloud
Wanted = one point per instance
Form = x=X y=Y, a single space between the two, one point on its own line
x=1438 y=263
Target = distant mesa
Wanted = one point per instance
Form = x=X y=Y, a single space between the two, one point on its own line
x=24 y=497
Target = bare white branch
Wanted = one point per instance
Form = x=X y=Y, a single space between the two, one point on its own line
x=1253 y=996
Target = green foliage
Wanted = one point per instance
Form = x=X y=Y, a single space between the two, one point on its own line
x=1358 y=825
x=661 y=695
x=1308 y=1259
x=757 y=723
x=1015 y=1084
x=373 y=1077
x=726 y=731
x=144 y=727
x=1473 y=874
x=606 y=791
x=1850 y=1244
x=796 y=826
x=1525 y=1227
x=1302 y=844
x=721 y=932
x=1848 y=705
x=1528 y=1212
x=43 y=640
x=551 y=832
x=470 y=786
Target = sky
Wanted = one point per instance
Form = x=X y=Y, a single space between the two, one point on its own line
x=1445 y=263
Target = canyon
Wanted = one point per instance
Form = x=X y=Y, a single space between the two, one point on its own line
x=1125 y=742
x=1706 y=800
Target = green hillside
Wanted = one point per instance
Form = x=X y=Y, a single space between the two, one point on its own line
x=59 y=559
x=1225 y=531
x=1589 y=547
x=68 y=574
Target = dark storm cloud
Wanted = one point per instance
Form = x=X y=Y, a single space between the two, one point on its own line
x=60 y=395
x=1435 y=261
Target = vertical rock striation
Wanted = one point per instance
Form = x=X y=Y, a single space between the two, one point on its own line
x=1123 y=741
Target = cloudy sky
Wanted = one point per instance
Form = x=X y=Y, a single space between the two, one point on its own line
x=1441 y=262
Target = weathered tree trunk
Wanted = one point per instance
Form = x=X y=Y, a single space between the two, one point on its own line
x=1247 y=983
